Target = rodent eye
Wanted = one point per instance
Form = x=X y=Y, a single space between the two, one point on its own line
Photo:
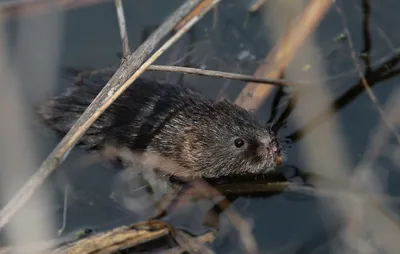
x=239 y=142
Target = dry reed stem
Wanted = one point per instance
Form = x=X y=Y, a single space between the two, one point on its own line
x=132 y=67
x=18 y=156
x=116 y=239
x=253 y=95
x=12 y=9
x=331 y=158
x=205 y=4
x=122 y=29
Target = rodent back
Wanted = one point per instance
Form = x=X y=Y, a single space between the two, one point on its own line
x=139 y=109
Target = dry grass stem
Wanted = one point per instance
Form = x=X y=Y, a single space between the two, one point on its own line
x=65 y=211
x=116 y=85
x=18 y=154
x=253 y=95
x=221 y=74
x=213 y=73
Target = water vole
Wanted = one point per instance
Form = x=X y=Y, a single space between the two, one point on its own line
x=205 y=138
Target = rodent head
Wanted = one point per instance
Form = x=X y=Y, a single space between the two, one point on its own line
x=225 y=139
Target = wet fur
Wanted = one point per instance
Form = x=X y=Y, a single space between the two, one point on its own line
x=169 y=120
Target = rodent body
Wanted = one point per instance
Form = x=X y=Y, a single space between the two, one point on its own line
x=205 y=138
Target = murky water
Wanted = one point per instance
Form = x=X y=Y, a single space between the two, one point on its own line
x=232 y=40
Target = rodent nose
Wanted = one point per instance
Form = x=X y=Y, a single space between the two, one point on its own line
x=276 y=152
x=278 y=160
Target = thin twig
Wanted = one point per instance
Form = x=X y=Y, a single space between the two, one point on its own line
x=122 y=29
x=364 y=81
x=114 y=87
x=221 y=74
x=65 y=210
x=217 y=74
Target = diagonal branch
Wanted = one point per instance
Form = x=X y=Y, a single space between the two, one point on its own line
x=253 y=95
x=221 y=74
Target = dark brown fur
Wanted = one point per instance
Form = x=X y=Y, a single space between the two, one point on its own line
x=196 y=134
